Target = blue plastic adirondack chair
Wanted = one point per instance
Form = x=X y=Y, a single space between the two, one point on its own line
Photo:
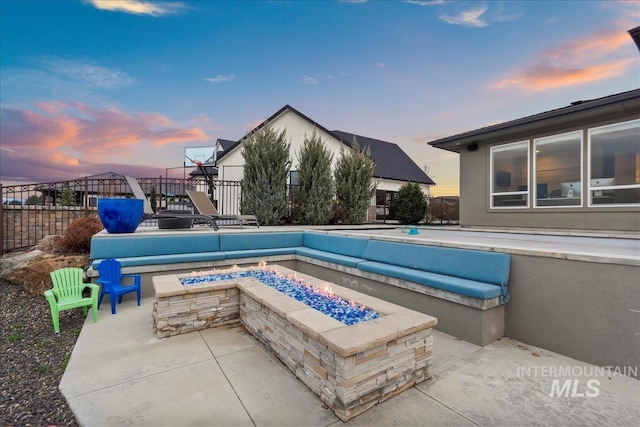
x=111 y=281
x=67 y=294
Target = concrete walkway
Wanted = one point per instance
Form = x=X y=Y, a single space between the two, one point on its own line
x=121 y=374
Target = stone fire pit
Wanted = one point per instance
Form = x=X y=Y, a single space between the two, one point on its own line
x=351 y=368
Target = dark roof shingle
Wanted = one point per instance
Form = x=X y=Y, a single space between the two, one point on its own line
x=390 y=160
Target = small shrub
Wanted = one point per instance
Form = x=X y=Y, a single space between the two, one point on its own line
x=33 y=200
x=409 y=206
x=77 y=237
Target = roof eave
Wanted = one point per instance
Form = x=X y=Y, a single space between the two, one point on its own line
x=429 y=182
x=616 y=103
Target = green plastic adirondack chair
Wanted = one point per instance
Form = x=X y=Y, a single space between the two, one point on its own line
x=67 y=294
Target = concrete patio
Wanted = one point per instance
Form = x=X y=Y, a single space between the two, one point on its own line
x=121 y=374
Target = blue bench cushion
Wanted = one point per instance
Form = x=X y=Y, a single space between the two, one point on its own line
x=246 y=241
x=481 y=266
x=330 y=257
x=136 y=246
x=470 y=288
x=348 y=246
x=165 y=259
x=253 y=253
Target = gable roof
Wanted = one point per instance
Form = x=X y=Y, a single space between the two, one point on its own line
x=225 y=144
x=391 y=162
x=576 y=110
x=269 y=120
x=105 y=175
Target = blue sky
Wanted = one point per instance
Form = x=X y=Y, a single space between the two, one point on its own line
x=96 y=86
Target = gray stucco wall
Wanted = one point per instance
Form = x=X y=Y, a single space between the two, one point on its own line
x=475 y=193
x=585 y=310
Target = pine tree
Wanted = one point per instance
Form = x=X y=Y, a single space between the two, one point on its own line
x=316 y=183
x=68 y=196
x=354 y=183
x=264 y=182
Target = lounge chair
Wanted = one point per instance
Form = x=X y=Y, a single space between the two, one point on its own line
x=204 y=207
x=173 y=219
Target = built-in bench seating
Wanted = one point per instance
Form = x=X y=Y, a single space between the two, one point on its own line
x=465 y=289
x=475 y=274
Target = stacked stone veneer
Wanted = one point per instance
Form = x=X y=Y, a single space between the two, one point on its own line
x=190 y=308
x=351 y=368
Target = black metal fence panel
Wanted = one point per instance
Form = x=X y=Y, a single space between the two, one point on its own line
x=30 y=212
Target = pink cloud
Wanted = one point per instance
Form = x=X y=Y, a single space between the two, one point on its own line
x=598 y=43
x=547 y=77
x=577 y=61
x=64 y=140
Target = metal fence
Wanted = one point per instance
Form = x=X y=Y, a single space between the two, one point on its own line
x=30 y=212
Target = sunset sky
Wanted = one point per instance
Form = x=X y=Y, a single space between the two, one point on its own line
x=96 y=86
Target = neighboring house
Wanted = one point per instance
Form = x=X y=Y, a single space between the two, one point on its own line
x=393 y=167
x=576 y=167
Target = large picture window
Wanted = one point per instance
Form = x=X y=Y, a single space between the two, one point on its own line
x=614 y=164
x=510 y=175
x=558 y=170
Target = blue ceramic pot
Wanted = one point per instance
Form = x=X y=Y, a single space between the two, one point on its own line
x=120 y=215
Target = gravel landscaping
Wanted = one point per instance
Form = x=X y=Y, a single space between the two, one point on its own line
x=33 y=359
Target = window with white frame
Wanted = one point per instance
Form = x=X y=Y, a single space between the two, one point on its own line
x=614 y=164
x=557 y=167
x=510 y=175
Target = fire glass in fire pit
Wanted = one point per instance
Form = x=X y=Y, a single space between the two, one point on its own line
x=320 y=298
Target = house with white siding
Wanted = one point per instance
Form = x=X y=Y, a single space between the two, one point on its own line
x=393 y=167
